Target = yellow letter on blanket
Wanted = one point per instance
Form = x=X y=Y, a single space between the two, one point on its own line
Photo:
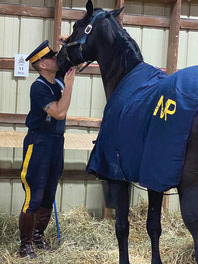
x=165 y=111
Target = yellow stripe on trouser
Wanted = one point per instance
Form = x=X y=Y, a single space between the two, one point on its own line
x=23 y=177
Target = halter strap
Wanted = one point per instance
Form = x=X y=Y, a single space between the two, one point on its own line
x=82 y=41
x=87 y=31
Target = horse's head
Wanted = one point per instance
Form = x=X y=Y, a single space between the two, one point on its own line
x=81 y=45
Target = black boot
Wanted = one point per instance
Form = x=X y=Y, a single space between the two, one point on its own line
x=26 y=225
x=42 y=219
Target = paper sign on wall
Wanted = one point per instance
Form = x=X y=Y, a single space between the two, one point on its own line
x=21 y=67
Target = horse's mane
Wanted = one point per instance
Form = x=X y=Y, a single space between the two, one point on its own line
x=126 y=51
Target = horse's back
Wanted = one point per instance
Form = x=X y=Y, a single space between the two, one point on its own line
x=185 y=81
x=145 y=128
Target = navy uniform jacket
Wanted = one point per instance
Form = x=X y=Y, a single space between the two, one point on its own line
x=145 y=128
x=41 y=94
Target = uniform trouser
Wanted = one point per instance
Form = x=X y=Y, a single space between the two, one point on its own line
x=41 y=169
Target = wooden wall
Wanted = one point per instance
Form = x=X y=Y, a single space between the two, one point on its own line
x=146 y=21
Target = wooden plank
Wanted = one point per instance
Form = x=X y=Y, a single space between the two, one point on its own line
x=68 y=175
x=30 y=11
x=149 y=21
x=83 y=122
x=57 y=23
x=75 y=141
x=19 y=119
x=12 y=118
x=71 y=14
x=162 y=22
x=189 y=24
x=167 y=1
x=42 y=12
x=8 y=64
x=173 y=37
x=91 y=69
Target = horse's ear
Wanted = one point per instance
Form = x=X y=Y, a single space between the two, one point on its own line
x=116 y=12
x=89 y=7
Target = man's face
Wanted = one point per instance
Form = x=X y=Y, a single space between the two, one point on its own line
x=50 y=64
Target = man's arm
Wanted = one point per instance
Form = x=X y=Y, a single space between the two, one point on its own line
x=58 y=110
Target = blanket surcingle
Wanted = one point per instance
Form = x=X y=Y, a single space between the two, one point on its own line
x=145 y=128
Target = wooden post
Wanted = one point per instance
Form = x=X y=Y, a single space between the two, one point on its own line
x=57 y=23
x=174 y=27
x=175 y=24
x=120 y=4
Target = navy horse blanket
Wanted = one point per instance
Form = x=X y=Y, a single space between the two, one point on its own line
x=145 y=128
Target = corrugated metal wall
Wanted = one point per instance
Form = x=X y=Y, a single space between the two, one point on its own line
x=22 y=35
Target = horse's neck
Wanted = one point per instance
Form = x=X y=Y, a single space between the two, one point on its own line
x=110 y=80
x=113 y=72
x=117 y=60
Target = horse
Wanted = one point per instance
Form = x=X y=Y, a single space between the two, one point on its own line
x=98 y=36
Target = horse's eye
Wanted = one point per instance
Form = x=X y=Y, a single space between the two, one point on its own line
x=75 y=25
x=79 y=24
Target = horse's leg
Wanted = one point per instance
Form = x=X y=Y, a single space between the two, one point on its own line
x=154 y=223
x=120 y=195
x=188 y=188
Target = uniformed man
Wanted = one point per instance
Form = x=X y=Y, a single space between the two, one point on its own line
x=43 y=147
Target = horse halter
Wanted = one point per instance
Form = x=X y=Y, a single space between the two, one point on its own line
x=82 y=41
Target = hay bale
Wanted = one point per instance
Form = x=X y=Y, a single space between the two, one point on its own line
x=87 y=240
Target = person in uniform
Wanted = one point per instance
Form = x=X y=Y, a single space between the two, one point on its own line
x=43 y=147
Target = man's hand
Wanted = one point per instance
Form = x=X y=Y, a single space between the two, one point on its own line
x=63 y=38
x=69 y=78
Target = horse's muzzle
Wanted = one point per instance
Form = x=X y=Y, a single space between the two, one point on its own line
x=62 y=61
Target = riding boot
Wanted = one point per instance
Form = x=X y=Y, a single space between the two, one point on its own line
x=26 y=225
x=42 y=219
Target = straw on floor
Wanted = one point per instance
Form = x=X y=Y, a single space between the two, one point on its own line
x=87 y=240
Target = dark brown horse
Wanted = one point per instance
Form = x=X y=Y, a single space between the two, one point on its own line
x=99 y=37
